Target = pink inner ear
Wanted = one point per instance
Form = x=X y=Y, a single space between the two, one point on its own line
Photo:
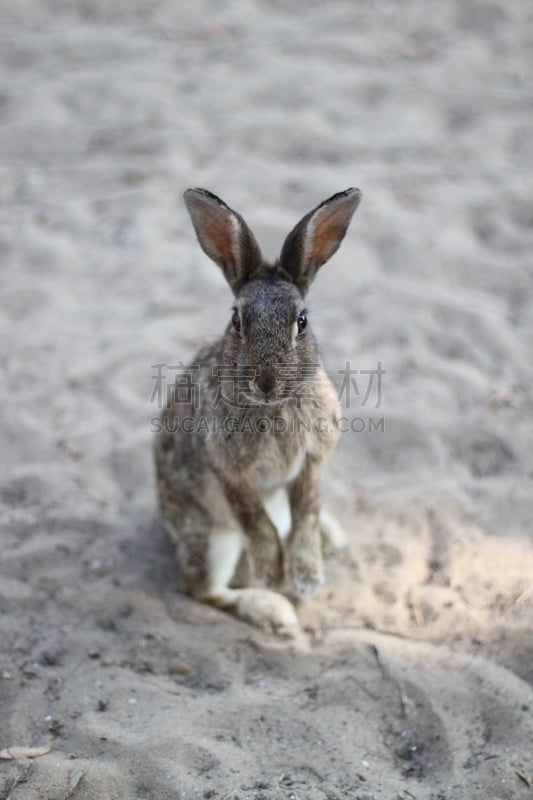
x=216 y=234
x=328 y=230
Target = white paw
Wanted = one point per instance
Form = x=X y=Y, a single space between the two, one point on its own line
x=266 y=609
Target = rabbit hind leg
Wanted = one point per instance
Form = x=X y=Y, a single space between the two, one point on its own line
x=261 y=607
x=333 y=535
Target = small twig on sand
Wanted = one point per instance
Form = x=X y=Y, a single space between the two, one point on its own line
x=523 y=775
x=76 y=776
x=387 y=676
x=385 y=672
x=12 y=753
x=416 y=610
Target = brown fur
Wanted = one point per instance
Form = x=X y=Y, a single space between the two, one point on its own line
x=213 y=483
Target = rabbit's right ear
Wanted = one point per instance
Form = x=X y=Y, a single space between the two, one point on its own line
x=317 y=237
x=224 y=236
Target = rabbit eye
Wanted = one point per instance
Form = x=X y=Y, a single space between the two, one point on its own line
x=236 y=321
x=302 y=322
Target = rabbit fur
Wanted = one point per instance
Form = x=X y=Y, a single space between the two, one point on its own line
x=238 y=489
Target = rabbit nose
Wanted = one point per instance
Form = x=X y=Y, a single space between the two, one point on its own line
x=266 y=380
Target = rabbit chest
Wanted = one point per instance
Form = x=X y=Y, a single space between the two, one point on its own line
x=281 y=442
x=277 y=470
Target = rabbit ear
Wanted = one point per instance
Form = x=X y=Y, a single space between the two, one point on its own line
x=317 y=237
x=224 y=236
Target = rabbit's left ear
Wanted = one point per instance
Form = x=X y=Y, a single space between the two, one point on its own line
x=317 y=237
x=224 y=236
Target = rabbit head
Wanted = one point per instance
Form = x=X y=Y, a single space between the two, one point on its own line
x=268 y=339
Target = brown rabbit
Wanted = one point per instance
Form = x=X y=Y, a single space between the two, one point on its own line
x=238 y=485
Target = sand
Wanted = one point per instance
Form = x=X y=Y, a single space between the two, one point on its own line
x=412 y=676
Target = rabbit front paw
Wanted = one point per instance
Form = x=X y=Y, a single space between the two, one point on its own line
x=305 y=572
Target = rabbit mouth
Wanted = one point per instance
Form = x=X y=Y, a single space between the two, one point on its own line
x=257 y=398
x=264 y=400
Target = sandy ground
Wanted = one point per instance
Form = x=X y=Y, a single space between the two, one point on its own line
x=412 y=678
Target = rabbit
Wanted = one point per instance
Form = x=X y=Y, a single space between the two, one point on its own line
x=238 y=485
